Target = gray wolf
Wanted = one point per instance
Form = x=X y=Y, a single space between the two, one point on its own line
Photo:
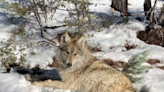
x=80 y=71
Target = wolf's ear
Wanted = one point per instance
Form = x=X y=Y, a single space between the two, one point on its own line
x=81 y=41
x=65 y=39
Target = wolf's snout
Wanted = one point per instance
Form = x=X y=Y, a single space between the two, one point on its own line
x=69 y=64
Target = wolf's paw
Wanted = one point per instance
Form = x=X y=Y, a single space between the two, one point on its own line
x=42 y=83
x=38 y=84
x=28 y=77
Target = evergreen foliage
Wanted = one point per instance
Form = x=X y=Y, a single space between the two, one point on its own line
x=134 y=66
x=11 y=55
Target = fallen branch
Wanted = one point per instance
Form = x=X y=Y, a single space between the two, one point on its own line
x=53 y=27
x=51 y=41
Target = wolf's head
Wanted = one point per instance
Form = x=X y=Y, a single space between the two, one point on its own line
x=72 y=53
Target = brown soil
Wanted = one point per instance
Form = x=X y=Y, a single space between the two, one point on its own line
x=130 y=46
x=115 y=64
x=161 y=67
x=155 y=36
x=153 y=61
x=53 y=64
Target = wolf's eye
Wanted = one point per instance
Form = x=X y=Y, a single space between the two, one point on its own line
x=67 y=52
x=75 y=54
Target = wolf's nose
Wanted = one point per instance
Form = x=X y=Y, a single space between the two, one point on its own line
x=69 y=64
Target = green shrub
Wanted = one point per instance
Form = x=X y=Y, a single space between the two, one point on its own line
x=16 y=8
x=134 y=66
x=79 y=16
x=11 y=55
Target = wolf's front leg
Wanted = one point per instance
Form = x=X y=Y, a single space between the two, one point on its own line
x=50 y=83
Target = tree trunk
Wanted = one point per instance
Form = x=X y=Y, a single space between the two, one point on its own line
x=120 y=5
x=161 y=17
x=147 y=7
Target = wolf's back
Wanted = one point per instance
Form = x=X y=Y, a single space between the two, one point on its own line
x=112 y=79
